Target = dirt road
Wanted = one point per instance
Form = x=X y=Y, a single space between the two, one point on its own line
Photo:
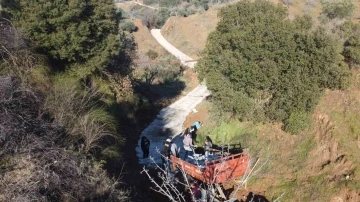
x=169 y=121
x=171 y=49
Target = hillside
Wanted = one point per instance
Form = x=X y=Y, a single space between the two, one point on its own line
x=320 y=164
x=189 y=34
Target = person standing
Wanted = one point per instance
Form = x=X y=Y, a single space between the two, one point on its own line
x=208 y=145
x=174 y=150
x=145 y=146
x=165 y=154
x=197 y=124
x=187 y=145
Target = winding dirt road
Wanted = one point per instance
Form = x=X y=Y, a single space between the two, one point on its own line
x=169 y=121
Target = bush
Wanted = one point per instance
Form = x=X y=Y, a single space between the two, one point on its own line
x=204 y=4
x=169 y=3
x=152 y=54
x=332 y=10
x=352 y=49
x=347 y=29
x=128 y=25
x=74 y=109
x=149 y=18
x=34 y=151
x=162 y=16
x=150 y=2
x=298 y=121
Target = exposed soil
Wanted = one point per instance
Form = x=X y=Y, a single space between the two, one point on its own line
x=189 y=34
x=146 y=42
x=201 y=114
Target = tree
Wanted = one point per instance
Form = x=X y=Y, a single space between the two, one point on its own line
x=75 y=32
x=258 y=63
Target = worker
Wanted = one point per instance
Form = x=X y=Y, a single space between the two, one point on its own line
x=187 y=145
x=165 y=155
x=197 y=124
x=145 y=146
x=174 y=149
x=207 y=146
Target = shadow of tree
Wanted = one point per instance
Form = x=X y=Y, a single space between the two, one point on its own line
x=162 y=91
x=254 y=197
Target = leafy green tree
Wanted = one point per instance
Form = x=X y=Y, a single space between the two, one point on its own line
x=257 y=63
x=352 y=49
x=79 y=32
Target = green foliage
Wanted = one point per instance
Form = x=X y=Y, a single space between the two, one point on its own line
x=341 y=9
x=150 y=2
x=204 y=4
x=352 y=49
x=303 y=148
x=226 y=132
x=162 y=16
x=152 y=18
x=297 y=121
x=70 y=32
x=169 y=3
x=349 y=32
x=128 y=25
x=76 y=111
x=258 y=64
x=348 y=29
x=152 y=54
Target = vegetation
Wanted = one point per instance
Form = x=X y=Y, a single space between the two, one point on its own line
x=350 y=33
x=259 y=65
x=82 y=34
x=38 y=160
x=334 y=9
x=128 y=25
x=157 y=18
x=56 y=125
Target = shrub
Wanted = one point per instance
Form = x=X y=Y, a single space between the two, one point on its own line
x=204 y=4
x=169 y=3
x=162 y=16
x=352 y=49
x=332 y=10
x=298 y=121
x=149 y=18
x=150 y=2
x=128 y=25
x=74 y=109
x=152 y=54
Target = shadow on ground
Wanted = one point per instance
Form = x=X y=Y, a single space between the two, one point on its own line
x=162 y=91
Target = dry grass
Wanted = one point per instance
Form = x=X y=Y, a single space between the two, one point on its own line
x=146 y=42
x=189 y=34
